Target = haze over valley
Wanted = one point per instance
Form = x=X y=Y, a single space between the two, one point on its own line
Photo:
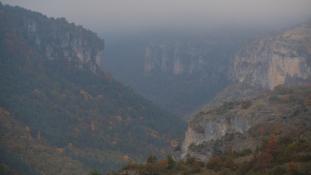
x=141 y=87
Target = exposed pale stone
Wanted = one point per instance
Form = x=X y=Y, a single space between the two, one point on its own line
x=264 y=64
x=270 y=62
x=281 y=68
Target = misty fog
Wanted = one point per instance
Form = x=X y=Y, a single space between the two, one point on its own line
x=132 y=16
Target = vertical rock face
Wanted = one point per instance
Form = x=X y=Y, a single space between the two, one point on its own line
x=53 y=86
x=278 y=60
x=174 y=58
x=181 y=74
x=56 y=39
x=180 y=71
x=211 y=125
x=243 y=125
x=263 y=65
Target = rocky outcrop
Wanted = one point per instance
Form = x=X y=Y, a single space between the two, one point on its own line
x=263 y=65
x=180 y=74
x=283 y=59
x=175 y=57
x=239 y=126
x=53 y=85
x=210 y=130
x=212 y=125
x=55 y=39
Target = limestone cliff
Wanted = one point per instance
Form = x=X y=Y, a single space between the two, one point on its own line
x=51 y=83
x=55 y=39
x=175 y=58
x=239 y=126
x=282 y=59
x=180 y=74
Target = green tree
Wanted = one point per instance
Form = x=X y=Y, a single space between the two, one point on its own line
x=171 y=163
x=95 y=172
x=152 y=159
x=3 y=169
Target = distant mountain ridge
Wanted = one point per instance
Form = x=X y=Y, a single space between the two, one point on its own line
x=179 y=72
x=76 y=116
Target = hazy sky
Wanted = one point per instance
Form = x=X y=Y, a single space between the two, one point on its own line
x=137 y=15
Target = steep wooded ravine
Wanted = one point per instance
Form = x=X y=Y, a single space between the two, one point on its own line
x=52 y=84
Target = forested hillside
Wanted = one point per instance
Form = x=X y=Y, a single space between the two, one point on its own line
x=266 y=135
x=52 y=85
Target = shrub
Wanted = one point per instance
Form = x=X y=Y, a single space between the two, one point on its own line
x=95 y=172
x=152 y=159
x=171 y=163
x=246 y=104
